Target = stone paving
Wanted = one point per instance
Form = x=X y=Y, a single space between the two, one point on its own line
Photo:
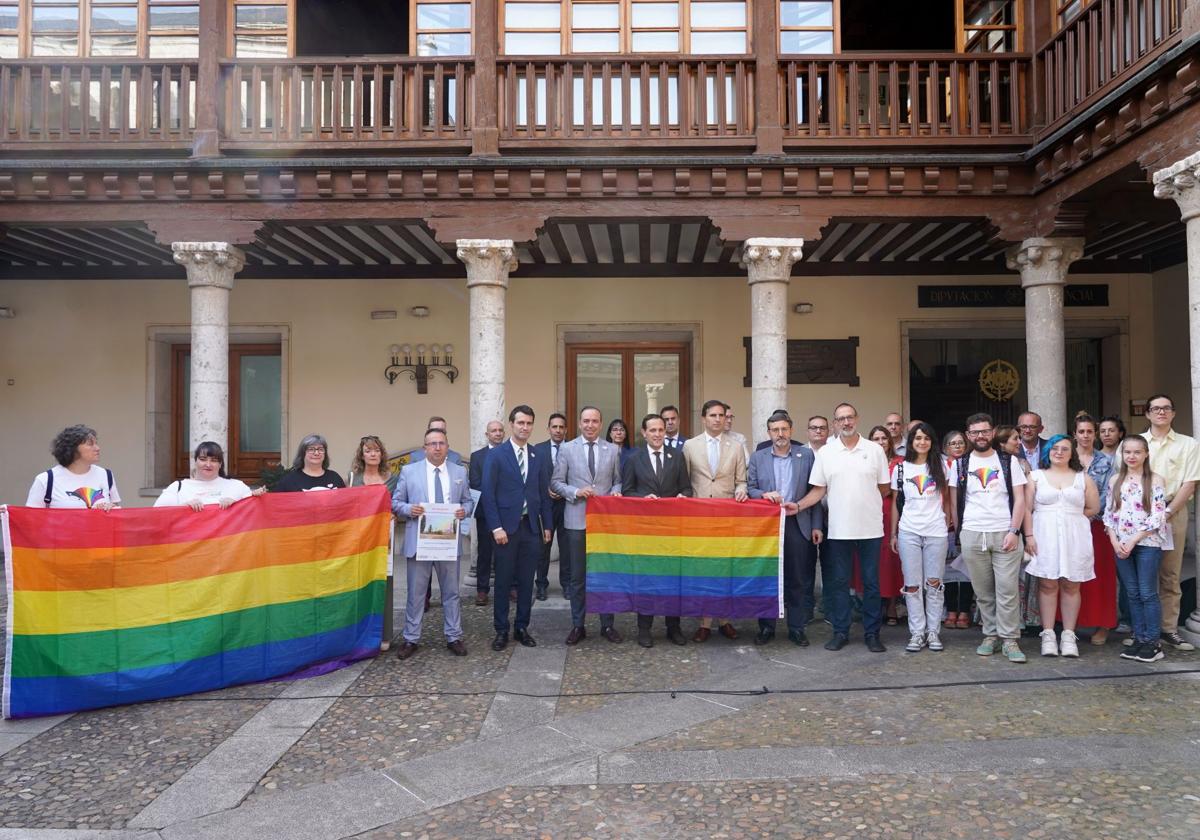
x=891 y=745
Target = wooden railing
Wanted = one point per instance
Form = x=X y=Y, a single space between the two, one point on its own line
x=1107 y=40
x=904 y=96
x=625 y=98
x=299 y=100
x=57 y=101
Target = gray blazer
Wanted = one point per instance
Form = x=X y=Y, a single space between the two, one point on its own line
x=761 y=480
x=411 y=489
x=571 y=474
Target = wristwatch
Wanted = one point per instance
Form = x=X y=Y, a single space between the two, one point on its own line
x=1014 y=531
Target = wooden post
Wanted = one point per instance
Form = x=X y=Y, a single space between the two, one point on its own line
x=485 y=130
x=768 y=132
x=206 y=140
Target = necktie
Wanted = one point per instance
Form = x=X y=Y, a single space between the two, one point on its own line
x=714 y=455
x=658 y=462
x=524 y=476
x=592 y=460
x=554 y=453
x=438 y=496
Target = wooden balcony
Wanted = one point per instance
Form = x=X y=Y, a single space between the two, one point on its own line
x=1103 y=45
x=57 y=103
x=944 y=98
x=300 y=102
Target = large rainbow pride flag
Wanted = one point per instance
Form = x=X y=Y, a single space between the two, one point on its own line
x=682 y=556
x=141 y=604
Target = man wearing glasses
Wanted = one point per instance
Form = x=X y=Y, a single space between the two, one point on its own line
x=988 y=514
x=1029 y=430
x=1176 y=458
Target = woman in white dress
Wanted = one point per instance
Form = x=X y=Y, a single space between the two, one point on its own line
x=208 y=485
x=1059 y=499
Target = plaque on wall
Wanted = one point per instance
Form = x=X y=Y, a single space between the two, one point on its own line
x=977 y=296
x=815 y=361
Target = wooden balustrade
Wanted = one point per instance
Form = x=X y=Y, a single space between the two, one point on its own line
x=71 y=101
x=910 y=96
x=304 y=101
x=571 y=98
x=1102 y=44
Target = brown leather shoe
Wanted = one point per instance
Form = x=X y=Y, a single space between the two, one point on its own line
x=481 y=599
x=701 y=634
x=611 y=634
x=406 y=650
x=727 y=630
x=457 y=647
x=577 y=635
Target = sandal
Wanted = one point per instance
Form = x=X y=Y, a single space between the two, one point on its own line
x=964 y=621
x=948 y=621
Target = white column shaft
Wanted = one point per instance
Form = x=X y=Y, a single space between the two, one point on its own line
x=488 y=264
x=768 y=263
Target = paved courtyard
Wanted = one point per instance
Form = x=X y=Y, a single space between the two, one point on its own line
x=667 y=742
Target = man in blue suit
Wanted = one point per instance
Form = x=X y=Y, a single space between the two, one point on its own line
x=435 y=480
x=780 y=474
x=483 y=534
x=516 y=505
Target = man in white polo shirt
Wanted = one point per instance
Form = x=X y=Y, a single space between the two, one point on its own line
x=851 y=472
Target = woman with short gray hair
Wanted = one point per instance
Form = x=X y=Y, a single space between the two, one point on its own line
x=310 y=469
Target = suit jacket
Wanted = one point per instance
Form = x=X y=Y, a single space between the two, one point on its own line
x=413 y=489
x=475 y=477
x=504 y=493
x=762 y=481
x=682 y=440
x=731 y=468
x=557 y=506
x=638 y=478
x=571 y=474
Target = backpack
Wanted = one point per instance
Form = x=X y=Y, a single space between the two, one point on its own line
x=50 y=485
x=961 y=468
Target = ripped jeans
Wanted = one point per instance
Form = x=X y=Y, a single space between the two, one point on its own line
x=923 y=559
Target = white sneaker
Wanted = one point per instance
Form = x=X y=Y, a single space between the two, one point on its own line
x=1070 y=646
x=915 y=643
x=934 y=642
x=1050 y=644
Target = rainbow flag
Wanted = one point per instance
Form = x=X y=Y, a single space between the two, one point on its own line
x=141 y=604
x=692 y=557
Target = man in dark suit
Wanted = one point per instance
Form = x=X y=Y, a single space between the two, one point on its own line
x=516 y=503
x=483 y=533
x=670 y=416
x=548 y=450
x=780 y=474
x=655 y=471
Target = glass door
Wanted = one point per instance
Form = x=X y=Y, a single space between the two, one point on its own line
x=628 y=381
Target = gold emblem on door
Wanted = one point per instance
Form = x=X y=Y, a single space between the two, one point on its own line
x=999 y=380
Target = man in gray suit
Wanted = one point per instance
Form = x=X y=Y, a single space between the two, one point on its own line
x=586 y=467
x=435 y=480
x=780 y=475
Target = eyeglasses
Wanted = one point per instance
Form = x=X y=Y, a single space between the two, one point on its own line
x=1159 y=409
x=818 y=428
x=846 y=419
x=1027 y=427
x=435 y=444
x=978 y=432
x=315 y=449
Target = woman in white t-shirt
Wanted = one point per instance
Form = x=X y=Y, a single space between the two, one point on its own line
x=78 y=481
x=208 y=485
x=919 y=522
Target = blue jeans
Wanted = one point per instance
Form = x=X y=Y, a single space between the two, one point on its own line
x=841 y=553
x=1139 y=573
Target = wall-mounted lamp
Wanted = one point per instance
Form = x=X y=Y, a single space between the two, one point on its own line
x=7 y=312
x=803 y=308
x=419 y=312
x=440 y=360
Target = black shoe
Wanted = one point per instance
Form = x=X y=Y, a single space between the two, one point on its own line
x=643 y=637
x=798 y=638
x=874 y=645
x=764 y=635
x=837 y=642
x=1131 y=651
x=675 y=634
x=500 y=642
x=524 y=638
x=1176 y=641
x=541 y=593
x=1150 y=652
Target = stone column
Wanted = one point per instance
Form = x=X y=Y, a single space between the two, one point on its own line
x=210 y=270
x=1181 y=182
x=1043 y=264
x=769 y=264
x=488 y=263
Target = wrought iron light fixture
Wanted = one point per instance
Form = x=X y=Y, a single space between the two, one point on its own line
x=419 y=367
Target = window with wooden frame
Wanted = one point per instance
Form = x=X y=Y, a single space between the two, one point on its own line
x=99 y=28
x=988 y=26
x=809 y=27
x=10 y=28
x=441 y=28
x=261 y=28
x=1066 y=11
x=54 y=27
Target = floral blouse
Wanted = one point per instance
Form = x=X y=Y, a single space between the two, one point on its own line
x=1133 y=518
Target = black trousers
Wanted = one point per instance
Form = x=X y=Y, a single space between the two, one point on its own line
x=799 y=577
x=483 y=562
x=516 y=563
x=543 y=572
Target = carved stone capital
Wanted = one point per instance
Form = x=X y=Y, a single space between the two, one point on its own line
x=769 y=260
x=488 y=261
x=209 y=263
x=1181 y=182
x=1044 y=261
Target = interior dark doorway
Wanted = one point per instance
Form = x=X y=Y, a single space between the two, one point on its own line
x=916 y=25
x=352 y=27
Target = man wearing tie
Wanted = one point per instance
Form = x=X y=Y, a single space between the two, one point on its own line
x=717 y=468
x=483 y=534
x=432 y=479
x=780 y=475
x=654 y=471
x=516 y=505
x=670 y=418
x=587 y=466
x=548 y=451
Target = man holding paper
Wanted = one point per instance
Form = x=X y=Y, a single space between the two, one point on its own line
x=427 y=492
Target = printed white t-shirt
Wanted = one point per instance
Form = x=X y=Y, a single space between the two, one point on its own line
x=923 y=514
x=987 y=501
x=74 y=491
x=209 y=492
